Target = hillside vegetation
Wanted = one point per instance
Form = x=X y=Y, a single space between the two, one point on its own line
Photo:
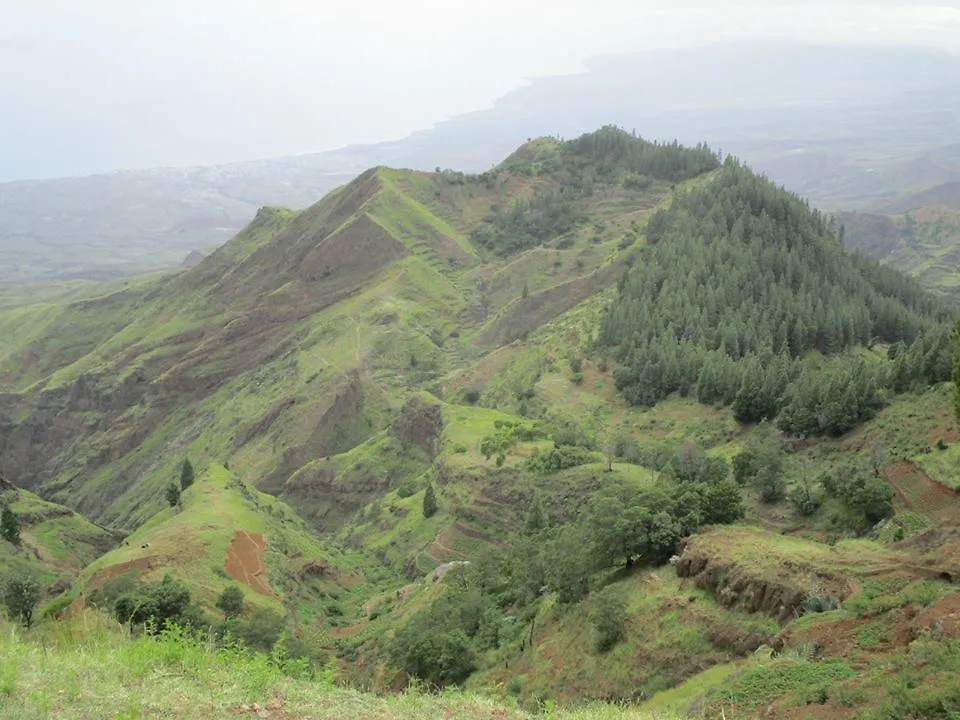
x=920 y=240
x=612 y=421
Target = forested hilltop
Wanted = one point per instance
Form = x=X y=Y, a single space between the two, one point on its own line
x=614 y=421
x=746 y=297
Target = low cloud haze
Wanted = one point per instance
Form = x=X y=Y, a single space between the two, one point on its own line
x=109 y=84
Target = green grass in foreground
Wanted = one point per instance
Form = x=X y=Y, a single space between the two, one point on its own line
x=88 y=667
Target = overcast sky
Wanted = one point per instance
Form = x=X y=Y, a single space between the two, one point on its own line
x=105 y=84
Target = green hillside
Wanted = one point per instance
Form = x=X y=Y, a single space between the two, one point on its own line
x=922 y=241
x=55 y=543
x=610 y=422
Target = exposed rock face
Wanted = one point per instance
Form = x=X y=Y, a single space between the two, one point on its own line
x=737 y=586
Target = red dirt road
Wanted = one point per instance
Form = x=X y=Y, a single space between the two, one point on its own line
x=245 y=561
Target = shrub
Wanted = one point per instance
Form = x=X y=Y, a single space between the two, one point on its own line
x=155 y=605
x=429 y=502
x=560 y=458
x=863 y=491
x=231 y=602
x=186 y=474
x=409 y=488
x=436 y=658
x=173 y=494
x=609 y=618
x=9 y=523
x=804 y=500
x=636 y=181
x=21 y=593
x=819 y=604
x=261 y=632
x=761 y=464
x=332 y=609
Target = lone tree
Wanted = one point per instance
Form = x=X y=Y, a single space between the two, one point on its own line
x=9 y=523
x=186 y=474
x=231 y=602
x=429 y=502
x=21 y=593
x=173 y=494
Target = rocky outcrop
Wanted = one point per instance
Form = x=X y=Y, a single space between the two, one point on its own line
x=735 y=585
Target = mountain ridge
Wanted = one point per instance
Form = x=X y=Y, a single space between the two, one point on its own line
x=420 y=453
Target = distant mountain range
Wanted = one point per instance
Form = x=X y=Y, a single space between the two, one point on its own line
x=848 y=127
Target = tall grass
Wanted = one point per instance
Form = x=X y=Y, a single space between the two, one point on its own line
x=88 y=666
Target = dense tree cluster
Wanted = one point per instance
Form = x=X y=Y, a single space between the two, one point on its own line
x=738 y=283
x=613 y=154
x=155 y=604
x=863 y=490
x=608 y=156
x=526 y=223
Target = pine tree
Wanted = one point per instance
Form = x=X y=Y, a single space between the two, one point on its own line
x=429 y=502
x=9 y=523
x=186 y=474
x=173 y=494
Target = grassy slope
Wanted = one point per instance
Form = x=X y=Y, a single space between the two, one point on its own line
x=192 y=543
x=924 y=242
x=841 y=659
x=56 y=543
x=89 y=668
x=197 y=329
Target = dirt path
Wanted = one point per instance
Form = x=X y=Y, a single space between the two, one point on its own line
x=245 y=561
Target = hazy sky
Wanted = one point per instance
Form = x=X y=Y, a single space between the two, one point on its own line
x=104 y=84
